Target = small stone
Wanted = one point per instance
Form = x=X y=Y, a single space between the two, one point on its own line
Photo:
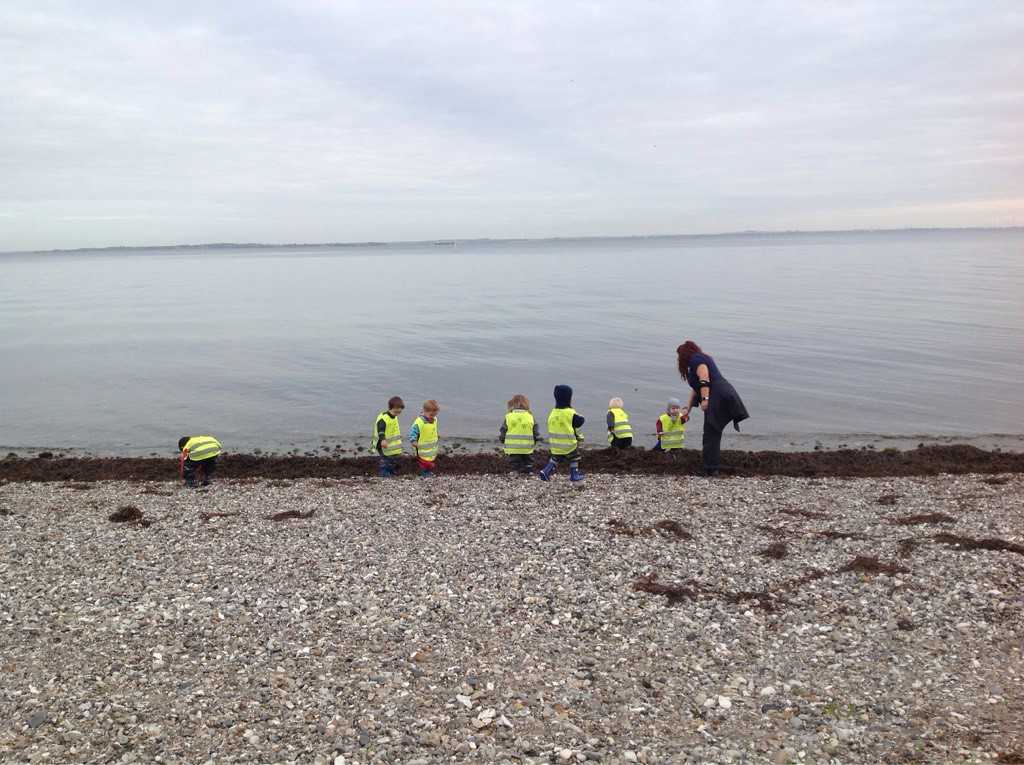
x=38 y=718
x=724 y=702
x=466 y=701
x=629 y=756
x=768 y=690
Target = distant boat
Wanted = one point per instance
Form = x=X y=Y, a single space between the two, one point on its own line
x=444 y=244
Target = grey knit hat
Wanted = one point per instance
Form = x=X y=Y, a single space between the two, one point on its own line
x=673 y=402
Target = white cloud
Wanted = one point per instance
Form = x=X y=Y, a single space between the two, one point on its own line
x=131 y=123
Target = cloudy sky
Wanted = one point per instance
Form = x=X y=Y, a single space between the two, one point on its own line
x=325 y=120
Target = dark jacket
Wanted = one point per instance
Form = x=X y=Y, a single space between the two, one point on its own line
x=724 y=403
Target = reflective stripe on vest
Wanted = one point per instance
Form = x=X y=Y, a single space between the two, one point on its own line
x=672 y=432
x=202 y=448
x=426 y=446
x=392 y=434
x=519 y=432
x=621 y=428
x=561 y=434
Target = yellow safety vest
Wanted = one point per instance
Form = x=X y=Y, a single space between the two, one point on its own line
x=561 y=434
x=426 y=446
x=519 y=432
x=672 y=433
x=621 y=428
x=392 y=434
x=202 y=448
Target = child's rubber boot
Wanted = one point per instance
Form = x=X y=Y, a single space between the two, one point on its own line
x=575 y=475
x=385 y=472
x=546 y=471
x=426 y=474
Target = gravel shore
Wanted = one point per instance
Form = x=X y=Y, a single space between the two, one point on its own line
x=493 y=619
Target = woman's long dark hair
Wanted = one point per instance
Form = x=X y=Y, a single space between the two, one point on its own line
x=685 y=353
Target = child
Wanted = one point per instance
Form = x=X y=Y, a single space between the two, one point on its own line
x=423 y=437
x=198 y=453
x=519 y=434
x=620 y=432
x=563 y=436
x=387 y=436
x=671 y=427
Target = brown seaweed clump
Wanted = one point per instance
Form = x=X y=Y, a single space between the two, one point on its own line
x=868 y=564
x=673 y=528
x=888 y=499
x=914 y=520
x=967 y=543
x=675 y=593
x=290 y=514
x=129 y=514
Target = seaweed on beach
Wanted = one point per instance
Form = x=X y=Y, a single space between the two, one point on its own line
x=915 y=520
x=888 y=499
x=803 y=513
x=129 y=514
x=966 y=543
x=833 y=534
x=673 y=528
x=290 y=514
x=868 y=564
x=762 y=598
x=675 y=593
x=843 y=463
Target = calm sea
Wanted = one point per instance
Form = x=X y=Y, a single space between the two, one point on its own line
x=852 y=338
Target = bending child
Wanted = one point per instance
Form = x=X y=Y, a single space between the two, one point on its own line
x=198 y=455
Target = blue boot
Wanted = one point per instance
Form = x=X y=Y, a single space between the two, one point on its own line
x=575 y=475
x=547 y=470
x=426 y=474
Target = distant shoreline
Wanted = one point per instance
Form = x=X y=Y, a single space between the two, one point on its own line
x=448 y=241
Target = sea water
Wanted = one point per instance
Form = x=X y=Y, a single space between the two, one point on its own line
x=831 y=339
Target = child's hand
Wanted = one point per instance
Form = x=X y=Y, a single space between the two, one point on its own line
x=383 y=443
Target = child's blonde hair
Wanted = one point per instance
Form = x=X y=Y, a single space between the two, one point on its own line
x=519 y=401
x=615 y=403
x=431 y=405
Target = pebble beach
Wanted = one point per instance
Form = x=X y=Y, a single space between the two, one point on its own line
x=649 y=619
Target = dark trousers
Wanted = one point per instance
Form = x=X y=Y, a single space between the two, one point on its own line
x=621 y=443
x=201 y=470
x=388 y=465
x=521 y=463
x=711 y=444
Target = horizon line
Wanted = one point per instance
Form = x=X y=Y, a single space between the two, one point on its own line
x=467 y=240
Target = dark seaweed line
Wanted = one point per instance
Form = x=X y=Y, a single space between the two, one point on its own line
x=923 y=461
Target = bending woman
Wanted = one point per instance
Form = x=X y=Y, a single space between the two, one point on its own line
x=719 y=401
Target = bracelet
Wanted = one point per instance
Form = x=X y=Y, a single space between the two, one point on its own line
x=705 y=398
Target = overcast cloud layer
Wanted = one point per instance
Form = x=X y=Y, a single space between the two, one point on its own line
x=320 y=120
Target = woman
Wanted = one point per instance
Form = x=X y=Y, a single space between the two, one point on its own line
x=719 y=401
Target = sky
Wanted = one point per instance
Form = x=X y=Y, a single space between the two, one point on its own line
x=127 y=123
